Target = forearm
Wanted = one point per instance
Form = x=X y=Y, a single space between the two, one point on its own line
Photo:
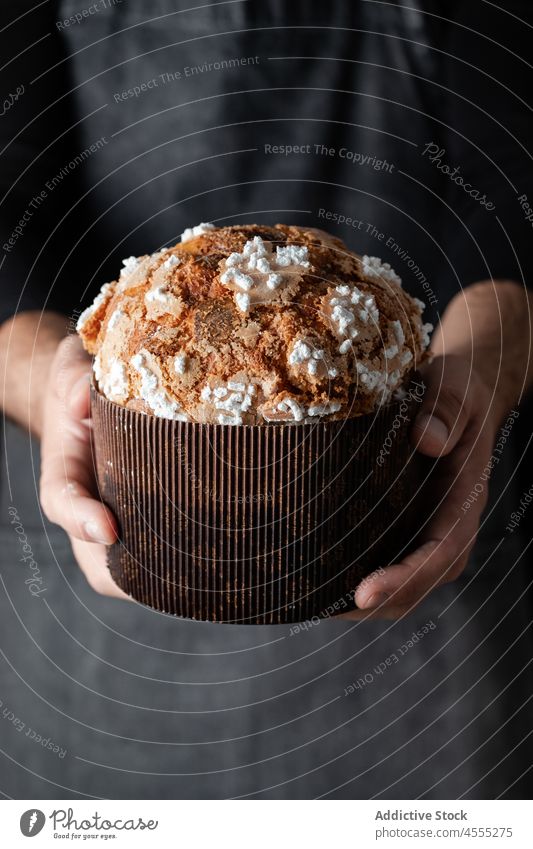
x=28 y=343
x=489 y=324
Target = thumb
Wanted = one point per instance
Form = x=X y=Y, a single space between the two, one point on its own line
x=443 y=415
x=70 y=375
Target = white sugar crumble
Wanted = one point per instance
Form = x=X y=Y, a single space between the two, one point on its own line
x=291 y=411
x=171 y=262
x=230 y=400
x=375 y=380
x=343 y=318
x=374 y=267
x=152 y=393
x=397 y=329
x=350 y=307
x=180 y=363
x=243 y=281
x=372 y=379
x=243 y=301
x=130 y=264
x=159 y=295
x=115 y=383
x=115 y=318
x=258 y=265
x=254 y=250
x=199 y=230
x=97 y=368
x=304 y=353
x=292 y=255
x=301 y=352
x=295 y=409
x=426 y=330
x=274 y=280
x=324 y=409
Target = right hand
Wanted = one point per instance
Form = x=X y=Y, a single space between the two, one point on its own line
x=69 y=493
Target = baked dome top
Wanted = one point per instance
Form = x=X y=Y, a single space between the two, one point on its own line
x=254 y=325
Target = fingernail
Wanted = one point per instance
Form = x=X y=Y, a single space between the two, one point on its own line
x=374 y=601
x=433 y=427
x=98 y=534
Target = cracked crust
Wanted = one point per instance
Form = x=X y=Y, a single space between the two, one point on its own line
x=180 y=336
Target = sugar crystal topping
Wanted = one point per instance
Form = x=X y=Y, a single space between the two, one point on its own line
x=304 y=352
x=374 y=267
x=350 y=311
x=324 y=409
x=130 y=264
x=199 y=230
x=159 y=295
x=113 y=381
x=180 y=363
x=258 y=267
x=172 y=262
x=151 y=390
x=231 y=400
x=115 y=384
x=426 y=330
x=398 y=332
x=115 y=319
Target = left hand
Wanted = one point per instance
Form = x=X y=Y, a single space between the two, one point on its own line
x=456 y=424
x=69 y=492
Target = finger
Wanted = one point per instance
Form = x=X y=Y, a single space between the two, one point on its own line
x=71 y=365
x=92 y=560
x=67 y=475
x=80 y=398
x=382 y=612
x=408 y=582
x=444 y=411
x=68 y=501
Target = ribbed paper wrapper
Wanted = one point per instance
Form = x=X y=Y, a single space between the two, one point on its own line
x=253 y=524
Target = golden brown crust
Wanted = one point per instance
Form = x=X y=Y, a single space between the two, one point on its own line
x=251 y=324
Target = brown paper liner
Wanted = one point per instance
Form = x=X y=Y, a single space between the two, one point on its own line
x=253 y=524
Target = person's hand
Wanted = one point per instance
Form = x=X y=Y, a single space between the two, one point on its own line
x=69 y=495
x=456 y=424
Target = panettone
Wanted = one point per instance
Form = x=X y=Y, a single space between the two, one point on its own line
x=254 y=325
